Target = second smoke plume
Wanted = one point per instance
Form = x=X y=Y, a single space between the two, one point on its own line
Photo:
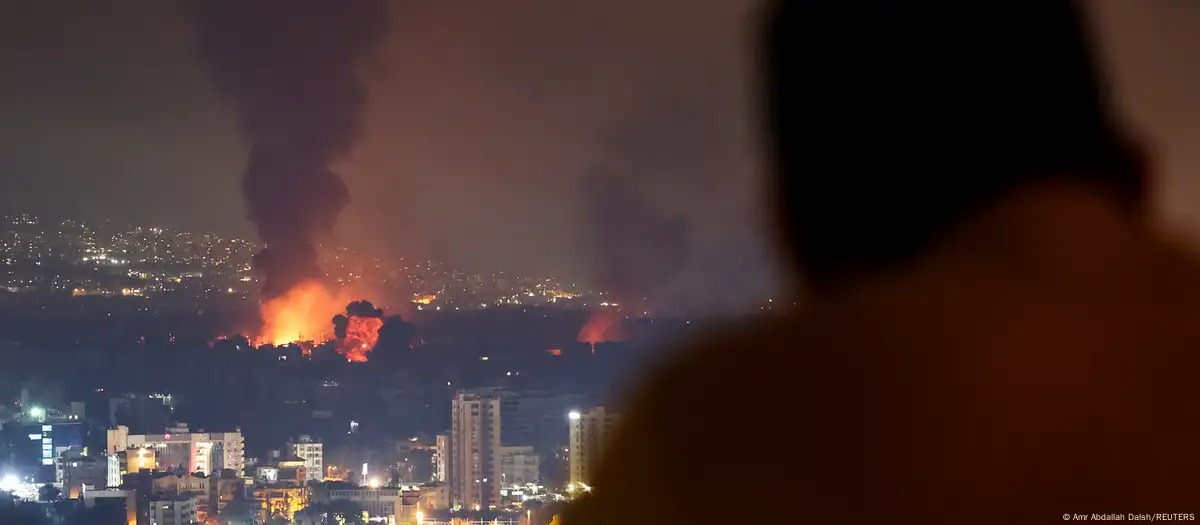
x=291 y=67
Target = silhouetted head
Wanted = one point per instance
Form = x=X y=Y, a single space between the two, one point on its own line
x=893 y=121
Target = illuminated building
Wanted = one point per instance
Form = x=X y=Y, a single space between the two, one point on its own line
x=293 y=471
x=130 y=461
x=474 y=469
x=180 y=483
x=518 y=466
x=80 y=472
x=441 y=456
x=589 y=431
x=282 y=502
x=173 y=510
x=36 y=449
x=180 y=449
x=388 y=503
x=313 y=454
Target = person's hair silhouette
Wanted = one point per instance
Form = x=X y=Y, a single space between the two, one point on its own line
x=891 y=121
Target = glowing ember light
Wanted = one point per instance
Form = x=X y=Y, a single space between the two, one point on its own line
x=301 y=314
x=601 y=326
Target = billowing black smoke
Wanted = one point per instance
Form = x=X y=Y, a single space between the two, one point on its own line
x=362 y=308
x=637 y=246
x=291 y=68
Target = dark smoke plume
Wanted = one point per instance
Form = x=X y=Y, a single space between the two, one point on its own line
x=637 y=247
x=362 y=308
x=291 y=68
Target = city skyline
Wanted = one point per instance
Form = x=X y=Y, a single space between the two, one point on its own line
x=478 y=136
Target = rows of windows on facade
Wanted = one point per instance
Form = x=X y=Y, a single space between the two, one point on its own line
x=505 y=455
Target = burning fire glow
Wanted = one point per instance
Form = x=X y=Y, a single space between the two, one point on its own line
x=301 y=314
x=602 y=326
x=305 y=313
x=361 y=335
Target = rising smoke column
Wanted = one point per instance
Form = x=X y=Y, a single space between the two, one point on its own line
x=291 y=69
x=636 y=247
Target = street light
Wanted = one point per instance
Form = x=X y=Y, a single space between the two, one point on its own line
x=37 y=412
x=573 y=416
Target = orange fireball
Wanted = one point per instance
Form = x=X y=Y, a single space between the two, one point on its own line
x=361 y=335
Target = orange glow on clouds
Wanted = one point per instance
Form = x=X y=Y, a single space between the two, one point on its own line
x=603 y=325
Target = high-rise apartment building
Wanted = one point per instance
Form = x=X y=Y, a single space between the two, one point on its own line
x=589 y=431
x=313 y=454
x=441 y=457
x=474 y=466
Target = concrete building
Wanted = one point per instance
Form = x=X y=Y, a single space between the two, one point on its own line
x=126 y=500
x=167 y=483
x=589 y=431
x=173 y=509
x=473 y=468
x=435 y=497
x=441 y=456
x=386 y=503
x=224 y=486
x=280 y=501
x=38 y=449
x=180 y=449
x=518 y=466
x=129 y=461
x=313 y=454
x=80 y=472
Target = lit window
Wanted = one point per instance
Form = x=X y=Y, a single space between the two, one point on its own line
x=47 y=461
x=47 y=428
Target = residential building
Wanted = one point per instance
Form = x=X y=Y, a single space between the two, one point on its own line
x=473 y=468
x=589 y=431
x=441 y=458
x=313 y=454
x=518 y=466
x=173 y=509
x=181 y=449
x=386 y=503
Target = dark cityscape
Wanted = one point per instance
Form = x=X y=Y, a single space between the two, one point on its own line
x=317 y=262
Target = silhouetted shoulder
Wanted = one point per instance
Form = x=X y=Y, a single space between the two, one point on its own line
x=688 y=409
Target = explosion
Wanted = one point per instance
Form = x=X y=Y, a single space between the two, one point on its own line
x=291 y=70
x=603 y=325
x=361 y=335
x=357 y=330
x=300 y=314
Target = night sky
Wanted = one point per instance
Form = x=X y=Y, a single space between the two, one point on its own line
x=485 y=121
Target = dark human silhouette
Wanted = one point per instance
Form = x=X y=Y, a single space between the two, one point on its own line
x=994 y=331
